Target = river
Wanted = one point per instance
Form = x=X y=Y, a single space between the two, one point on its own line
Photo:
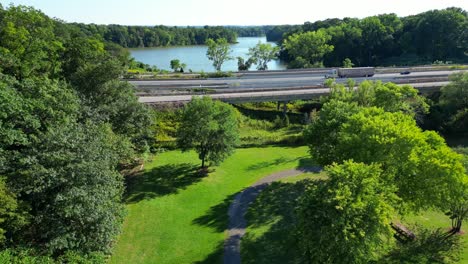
x=195 y=56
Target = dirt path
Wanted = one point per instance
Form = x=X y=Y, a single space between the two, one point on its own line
x=239 y=206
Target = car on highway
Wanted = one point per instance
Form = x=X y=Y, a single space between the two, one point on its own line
x=405 y=72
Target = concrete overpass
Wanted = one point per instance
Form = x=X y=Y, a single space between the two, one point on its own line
x=270 y=86
x=267 y=96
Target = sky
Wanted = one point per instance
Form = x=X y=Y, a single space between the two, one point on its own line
x=221 y=12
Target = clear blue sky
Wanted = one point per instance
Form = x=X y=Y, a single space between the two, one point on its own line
x=221 y=12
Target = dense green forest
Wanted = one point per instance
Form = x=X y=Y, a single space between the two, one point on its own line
x=145 y=36
x=437 y=35
x=67 y=128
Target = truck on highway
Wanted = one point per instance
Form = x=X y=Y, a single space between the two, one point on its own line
x=351 y=72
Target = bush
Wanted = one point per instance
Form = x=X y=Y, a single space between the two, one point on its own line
x=29 y=256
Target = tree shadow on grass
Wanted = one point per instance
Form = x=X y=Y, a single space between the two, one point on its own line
x=214 y=257
x=269 y=163
x=217 y=216
x=160 y=181
x=294 y=118
x=275 y=208
x=310 y=163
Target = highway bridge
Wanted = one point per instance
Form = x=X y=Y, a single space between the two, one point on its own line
x=271 y=86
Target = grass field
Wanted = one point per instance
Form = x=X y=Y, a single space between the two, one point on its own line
x=177 y=216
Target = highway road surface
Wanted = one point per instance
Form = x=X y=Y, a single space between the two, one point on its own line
x=286 y=84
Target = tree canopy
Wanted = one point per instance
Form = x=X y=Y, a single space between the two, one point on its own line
x=263 y=53
x=436 y=35
x=346 y=219
x=210 y=127
x=308 y=49
x=218 y=52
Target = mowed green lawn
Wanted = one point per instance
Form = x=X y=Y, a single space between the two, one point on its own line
x=177 y=216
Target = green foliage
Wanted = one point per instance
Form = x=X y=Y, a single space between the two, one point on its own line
x=281 y=122
x=219 y=74
x=414 y=160
x=114 y=102
x=244 y=65
x=346 y=219
x=71 y=184
x=210 y=127
x=261 y=54
x=66 y=124
x=79 y=53
x=10 y=218
x=389 y=96
x=322 y=134
x=347 y=63
x=156 y=36
x=27 y=256
x=27 y=43
x=218 y=52
x=29 y=107
x=431 y=246
x=386 y=39
x=308 y=48
x=371 y=135
x=454 y=103
x=177 y=66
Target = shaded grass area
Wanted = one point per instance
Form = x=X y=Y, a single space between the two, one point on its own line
x=271 y=237
x=178 y=216
x=267 y=127
x=433 y=220
x=159 y=181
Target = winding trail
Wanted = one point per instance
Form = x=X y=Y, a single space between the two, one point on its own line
x=239 y=206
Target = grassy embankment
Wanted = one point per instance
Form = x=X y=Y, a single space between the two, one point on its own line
x=260 y=124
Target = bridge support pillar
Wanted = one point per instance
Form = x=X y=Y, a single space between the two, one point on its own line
x=285 y=108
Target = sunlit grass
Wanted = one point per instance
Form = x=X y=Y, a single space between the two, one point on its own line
x=173 y=219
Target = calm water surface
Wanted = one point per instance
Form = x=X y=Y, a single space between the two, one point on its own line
x=195 y=56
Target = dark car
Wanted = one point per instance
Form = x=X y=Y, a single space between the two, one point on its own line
x=405 y=72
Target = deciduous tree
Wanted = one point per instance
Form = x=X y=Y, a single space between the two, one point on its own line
x=263 y=53
x=309 y=46
x=347 y=218
x=210 y=127
x=218 y=52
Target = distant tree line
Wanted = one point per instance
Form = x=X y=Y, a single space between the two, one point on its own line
x=250 y=31
x=149 y=36
x=437 y=35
